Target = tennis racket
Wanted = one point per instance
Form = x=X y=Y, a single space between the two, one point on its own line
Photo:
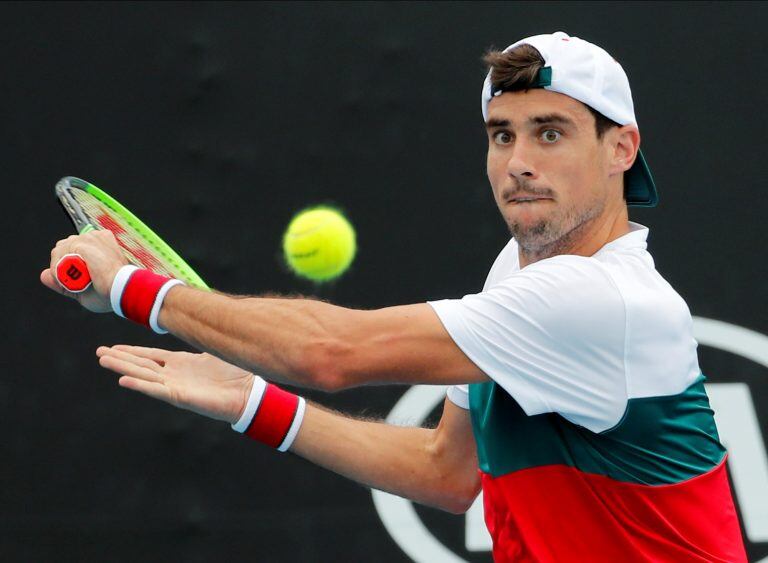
x=90 y=208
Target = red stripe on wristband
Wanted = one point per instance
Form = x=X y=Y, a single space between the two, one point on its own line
x=274 y=417
x=139 y=295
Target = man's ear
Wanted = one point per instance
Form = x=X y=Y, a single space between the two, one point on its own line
x=624 y=142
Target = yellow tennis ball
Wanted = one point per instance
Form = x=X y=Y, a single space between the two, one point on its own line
x=319 y=244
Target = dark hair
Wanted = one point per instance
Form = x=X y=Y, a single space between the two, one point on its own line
x=518 y=70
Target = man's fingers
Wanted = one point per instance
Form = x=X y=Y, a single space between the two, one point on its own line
x=155 y=354
x=137 y=372
x=125 y=367
x=62 y=247
x=149 y=388
x=127 y=356
x=47 y=279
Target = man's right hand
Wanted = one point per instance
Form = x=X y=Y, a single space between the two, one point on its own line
x=103 y=257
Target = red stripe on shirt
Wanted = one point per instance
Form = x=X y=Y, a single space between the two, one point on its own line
x=557 y=513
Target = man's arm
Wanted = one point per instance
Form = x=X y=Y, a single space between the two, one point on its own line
x=299 y=341
x=316 y=344
x=436 y=466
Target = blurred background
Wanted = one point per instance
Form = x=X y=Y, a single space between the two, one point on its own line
x=215 y=122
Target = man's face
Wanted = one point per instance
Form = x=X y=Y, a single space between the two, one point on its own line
x=548 y=170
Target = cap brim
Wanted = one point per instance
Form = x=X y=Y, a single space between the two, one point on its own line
x=639 y=185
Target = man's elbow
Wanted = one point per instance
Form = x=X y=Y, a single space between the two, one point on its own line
x=457 y=482
x=461 y=499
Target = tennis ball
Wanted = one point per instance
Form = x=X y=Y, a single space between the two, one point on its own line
x=319 y=244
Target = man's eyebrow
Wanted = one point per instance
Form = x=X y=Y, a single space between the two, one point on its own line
x=497 y=123
x=545 y=119
x=556 y=118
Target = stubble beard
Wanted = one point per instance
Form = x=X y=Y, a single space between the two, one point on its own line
x=555 y=235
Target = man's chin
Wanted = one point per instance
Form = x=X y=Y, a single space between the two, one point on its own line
x=534 y=234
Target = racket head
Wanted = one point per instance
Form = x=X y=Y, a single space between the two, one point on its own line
x=90 y=208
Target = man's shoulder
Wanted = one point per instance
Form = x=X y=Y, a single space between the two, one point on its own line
x=627 y=284
x=558 y=273
x=570 y=296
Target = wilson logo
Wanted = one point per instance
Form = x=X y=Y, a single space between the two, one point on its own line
x=74 y=273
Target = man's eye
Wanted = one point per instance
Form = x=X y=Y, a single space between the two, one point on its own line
x=551 y=136
x=502 y=138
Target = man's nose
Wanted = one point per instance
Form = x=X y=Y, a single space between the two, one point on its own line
x=520 y=163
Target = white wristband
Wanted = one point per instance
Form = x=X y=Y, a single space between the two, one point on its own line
x=254 y=399
x=153 y=324
x=293 y=431
x=118 y=286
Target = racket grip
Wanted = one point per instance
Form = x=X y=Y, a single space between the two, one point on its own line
x=72 y=273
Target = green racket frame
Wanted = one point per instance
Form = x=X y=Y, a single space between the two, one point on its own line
x=83 y=225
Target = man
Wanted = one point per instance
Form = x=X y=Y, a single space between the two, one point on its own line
x=575 y=383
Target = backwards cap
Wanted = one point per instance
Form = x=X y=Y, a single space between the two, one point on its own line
x=587 y=73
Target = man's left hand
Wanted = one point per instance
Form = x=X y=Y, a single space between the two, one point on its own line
x=200 y=383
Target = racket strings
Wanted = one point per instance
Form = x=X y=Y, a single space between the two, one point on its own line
x=139 y=250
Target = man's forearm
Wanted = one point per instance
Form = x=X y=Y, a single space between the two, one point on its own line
x=315 y=344
x=275 y=337
x=437 y=467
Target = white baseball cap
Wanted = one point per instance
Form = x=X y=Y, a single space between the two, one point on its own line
x=587 y=73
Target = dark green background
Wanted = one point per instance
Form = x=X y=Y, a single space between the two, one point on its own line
x=215 y=123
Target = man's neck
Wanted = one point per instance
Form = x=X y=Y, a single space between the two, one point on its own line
x=585 y=240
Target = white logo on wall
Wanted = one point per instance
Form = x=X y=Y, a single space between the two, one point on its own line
x=736 y=421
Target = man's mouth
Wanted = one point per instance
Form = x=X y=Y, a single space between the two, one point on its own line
x=528 y=199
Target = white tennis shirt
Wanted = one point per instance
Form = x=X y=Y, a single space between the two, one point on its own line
x=578 y=336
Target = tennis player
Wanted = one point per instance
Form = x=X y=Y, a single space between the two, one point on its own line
x=576 y=402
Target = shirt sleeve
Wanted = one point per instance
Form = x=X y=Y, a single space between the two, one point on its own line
x=552 y=335
x=459 y=395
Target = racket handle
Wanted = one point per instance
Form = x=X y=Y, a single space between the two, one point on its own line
x=72 y=273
